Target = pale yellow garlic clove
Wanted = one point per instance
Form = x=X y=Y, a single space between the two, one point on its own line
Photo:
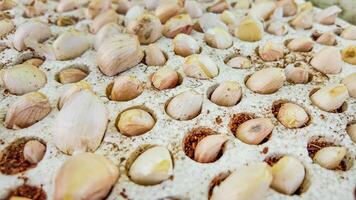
x=327 y=38
x=27 y=110
x=165 y=78
x=328 y=60
x=31 y=30
x=147 y=27
x=34 y=61
x=277 y=28
x=133 y=13
x=185 y=45
x=350 y=82
x=254 y=131
x=193 y=8
x=178 y=24
x=351 y=131
x=349 y=33
x=165 y=11
x=266 y=81
x=210 y=20
x=85 y=176
x=331 y=97
x=228 y=17
x=134 y=122
x=208 y=149
x=227 y=93
x=119 y=53
x=263 y=10
x=302 y=44
x=271 y=51
x=34 y=151
x=303 y=20
x=123 y=6
x=290 y=7
x=97 y=7
x=218 y=38
x=71 y=75
x=243 y=4
x=219 y=7
x=200 y=67
x=292 y=115
x=330 y=157
x=154 y=56
x=7 y=5
x=107 y=31
x=67 y=5
x=185 y=106
x=99 y=21
x=67 y=94
x=152 y=167
x=249 y=182
x=239 y=62
x=328 y=15
x=151 y=4
x=297 y=75
x=250 y=29
x=126 y=88
x=349 y=54
x=36 y=9
x=6 y=26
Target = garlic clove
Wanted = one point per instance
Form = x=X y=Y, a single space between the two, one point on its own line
x=303 y=20
x=290 y=7
x=250 y=29
x=303 y=44
x=328 y=15
x=37 y=8
x=350 y=82
x=200 y=67
x=330 y=157
x=239 y=62
x=228 y=17
x=227 y=94
x=133 y=13
x=34 y=61
x=327 y=38
x=185 y=106
x=7 y=5
x=165 y=78
x=123 y=6
x=6 y=26
x=292 y=116
x=328 y=61
x=331 y=97
x=67 y=5
x=349 y=54
x=208 y=149
x=266 y=81
x=32 y=30
x=107 y=31
x=351 y=131
x=218 y=38
x=254 y=131
x=85 y=176
x=296 y=75
x=246 y=183
x=151 y=4
x=27 y=110
x=135 y=122
x=147 y=27
x=97 y=7
x=271 y=51
x=81 y=123
x=18 y=198
x=219 y=7
x=210 y=20
x=165 y=11
x=185 y=45
x=71 y=75
x=288 y=175
x=262 y=10
x=277 y=28
x=126 y=88
x=349 y=33
x=178 y=24
x=66 y=21
x=67 y=94
x=154 y=56
x=34 y=151
x=152 y=167
x=193 y=8
x=99 y=21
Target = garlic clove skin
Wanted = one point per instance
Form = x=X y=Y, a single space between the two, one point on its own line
x=271 y=51
x=349 y=33
x=67 y=94
x=208 y=149
x=331 y=97
x=218 y=38
x=152 y=167
x=193 y=8
x=71 y=75
x=327 y=38
x=185 y=45
x=126 y=88
x=7 y=25
x=292 y=116
x=290 y=7
x=351 y=131
x=303 y=44
x=328 y=61
x=249 y=182
x=97 y=7
x=154 y=56
x=200 y=67
x=328 y=15
x=330 y=157
x=34 y=151
x=239 y=62
x=33 y=30
x=288 y=174
x=219 y=7
x=303 y=20
x=85 y=176
x=262 y=10
x=266 y=81
x=66 y=5
x=185 y=106
x=27 y=110
x=99 y=21
x=254 y=131
x=349 y=54
x=147 y=27
x=250 y=29
x=178 y=24
x=151 y=4
x=165 y=78
x=296 y=75
x=227 y=94
x=210 y=20
x=107 y=31
x=166 y=10
x=135 y=122
x=350 y=82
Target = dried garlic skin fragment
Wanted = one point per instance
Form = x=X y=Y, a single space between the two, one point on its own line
x=292 y=115
x=147 y=27
x=152 y=167
x=185 y=45
x=154 y=56
x=254 y=131
x=266 y=81
x=330 y=97
x=165 y=78
x=32 y=30
x=250 y=29
x=208 y=149
x=178 y=24
x=350 y=82
x=328 y=60
x=134 y=122
x=227 y=94
x=6 y=26
x=349 y=54
x=126 y=88
x=351 y=130
x=185 y=106
x=200 y=67
x=34 y=151
x=218 y=38
x=330 y=157
x=85 y=176
x=71 y=75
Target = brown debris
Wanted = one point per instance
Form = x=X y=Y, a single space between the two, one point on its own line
x=192 y=139
x=28 y=191
x=237 y=119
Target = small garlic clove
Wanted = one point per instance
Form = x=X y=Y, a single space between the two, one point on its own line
x=327 y=38
x=208 y=149
x=239 y=62
x=6 y=26
x=218 y=38
x=271 y=51
x=200 y=67
x=67 y=5
x=263 y=10
x=351 y=131
x=85 y=176
x=292 y=115
x=126 y=88
x=277 y=28
x=288 y=175
x=165 y=11
x=331 y=97
x=349 y=54
x=71 y=75
x=165 y=78
x=32 y=30
x=219 y=7
x=34 y=61
x=99 y=21
x=254 y=131
x=185 y=106
x=350 y=82
x=228 y=17
x=147 y=27
x=266 y=81
x=135 y=122
x=34 y=151
x=107 y=31
x=328 y=15
x=296 y=75
x=349 y=33
x=154 y=56
x=7 y=5
x=97 y=7
x=133 y=13
x=330 y=157
x=250 y=29
x=185 y=45
x=152 y=167
x=151 y=4
x=227 y=94
x=328 y=61
x=210 y=20
x=178 y=24
x=249 y=182
x=193 y=8
x=67 y=94
x=302 y=44
x=290 y=7
x=303 y=20
x=123 y=6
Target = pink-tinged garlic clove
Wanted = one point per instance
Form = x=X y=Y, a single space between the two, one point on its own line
x=200 y=67
x=107 y=31
x=277 y=28
x=133 y=13
x=185 y=106
x=208 y=149
x=151 y=4
x=327 y=38
x=266 y=81
x=126 y=88
x=185 y=45
x=123 y=6
x=290 y=7
x=165 y=78
x=165 y=11
x=254 y=131
x=239 y=62
x=66 y=5
x=218 y=7
x=178 y=24
x=211 y=20
x=304 y=20
x=218 y=38
x=227 y=94
x=292 y=115
x=328 y=61
x=263 y=10
x=271 y=51
x=6 y=26
x=34 y=151
x=303 y=44
x=147 y=27
x=330 y=157
x=154 y=56
x=328 y=15
x=134 y=122
x=296 y=75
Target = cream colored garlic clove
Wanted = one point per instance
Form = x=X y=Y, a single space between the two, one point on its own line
x=243 y=4
x=123 y=6
x=185 y=45
x=154 y=56
x=218 y=38
x=97 y=7
x=7 y=5
x=133 y=13
x=249 y=182
x=71 y=75
x=107 y=31
x=200 y=67
x=126 y=88
x=6 y=26
x=349 y=54
x=239 y=62
x=263 y=10
x=193 y=8
x=119 y=53
x=209 y=20
x=85 y=176
x=67 y=5
x=99 y=21
x=34 y=61
x=31 y=30
x=277 y=28
x=81 y=123
x=290 y=7
x=303 y=44
x=229 y=17
x=292 y=115
x=254 y=131
x=266 y=81
x=23 y=78
x=147 y=27
x=328 y=15
x=227 y=93
x=303 y=20
x=208 y=149
x=165 y=11
x=165 y=78
x=67 y=94
x=350 y=82
x=36 y=9
x=288 y=175
x=27 y=110
x=330 y=157
x=349 y=33
x=351 y=131
x=134 y=122
x=328 y=60
x=34 y=151
x=151 y=4
x=152 y=167
x=331 y=97
x=250 y=29
x=327 y=38
x=178 y=24
x=219 y=7
x=185 y=106
x=296 y=75
x=271 y=51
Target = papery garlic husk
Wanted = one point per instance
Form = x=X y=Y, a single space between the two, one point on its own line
x=178 y=24
x=218 y=38
x=349 y=54
x=134 y=122
x=288 y=175
x=219 y=7
x=185 y=106
x=296 y=75
x=67 y=5
x=36 y=8
x=330 y=157
x=165 y=78
x=81 y=123
x=7 y=5
x=119 y=53
x=107 y=31
x=349 y=33
x=27 y=110
x=271 y=51
x=99 y=21
x=71 y=75
x=123 y=6
x=277 y=28
x=303 y=20
x=263 y=10
x=34 y=151
x=67 y=94
x=193 y=8
x=328 y=15
x=239 y=62
x=133 y=13
x=151 y=4
x=292 y=115
x=303 y=44
x=254 y=131
x=249 y=182
x=327 y=38
x=331 y=97
x=200 y=67
x=250 y=29
x=23 y=78
x=327 y=60
x=154 y=56
x=227 y=94
x=210 y=20
x=6 y=26
x=165 y=11
x=152 y=167
x=97 y=7
x=351 y=131
x=208 y=149
x=266 y=81
x=126 y=88
x=350 y=82
x=34 y=61
x=85 y=176
x=147 y=27
x=290 y=7
x=185 y=45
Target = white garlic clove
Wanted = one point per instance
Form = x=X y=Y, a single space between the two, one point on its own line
x=296 y=75
x=34 y=151
x=328 y=60
x=147 y=27
x=123 y=6
x=126 y=88
x=185 y=45
x=66 y=5
x=133 y=13
x=67 y=94
x=99 y=21
x=165 y=11
x=152 y=167
x=277 y=28
x=303 y=44
x=154 y=56
x=290 y=7
x=71 y=75
x=227 y=93
x=218 y=38
x=271 y=51
x=31 y=30
x=151 y=4
x=266 y=81
x=193 y=8
x=135 y=122
x=330 y=157
x=327 y=38
x=328 y=15
x=185 y=106
x=250 y=29
x=349 y=33
x=351 y=131
x=350 y=82
x=107 y=31
x=349 y=54
x=200 y=67
x=178 y=24
x=263 y=10
x=165 y=78
x=6 y=26
x=229 y=17
x=97 y=7
x=330 y=98
x=210 y=20
x=303 y=20
x=254 y=131
x=208 y=149
x=239 y=62
x=292 y=115
x=92 y=175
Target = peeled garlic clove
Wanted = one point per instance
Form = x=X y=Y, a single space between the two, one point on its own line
x=250 y=29
x=81 y=123
x=185 y=45
x=271 y=51
x=290 y=7
x=331 y=97
x=33 y=30
x=97 y=7
x=135 y=122
x=254 y=131
x=126 y=88
x=327 y=38
x=154 y=56
x=193 y=8
x=303 y=20
x=71 y=75
x=297 y=75
x=200 y=67
x=208 y=149
x=288 y=174
x=210 y=20
x=147 y=27
x=119 y=53
x=350 y=82
x=178 y=24
x=351 y=130
x=218 y=38
x=27 y=110
x=303 y=44
x=152 y=167
x=107 y=31
x=92 y=175
x=349 y=33
x=228 y=17
x=330 y=157
x=133 y=13
x=7 y=5
x=227 y=93
x=349 y=54
x=67 y=5
x=243 y=4
x=165 y=11
x=23 y=78
x=151 y=4
x=82 y=85
x=99 y=21
x=266 y=81
x=123 y=6
x=263 y=10
x=246 y=183
x=6 y=26
x=239 y=62
x=327 y=60
x=219 y=7
x=34 y=61
x=292 y=115
x=276 y=28
x=165 y=78
x=185 y=106
x=328 y=15
x=34 y=151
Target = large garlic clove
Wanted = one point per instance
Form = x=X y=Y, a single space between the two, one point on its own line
x=330 y=157
x=119 y=53
x=133 y=13
x=349 y=33
x=249 y=182
x=328 y=60
x=154 y=56
x=193 y=8
x=303 y=44
x=304 y=20
x=31 y=30
x=331 y=97
x=147 y=27
x=126 y=88
x=107 y=31
x=185 y=106
x=67 y=94
x=349 y=54
x=97 y=7
x=135 y=122
x=327 y=38
x=209 y=20
x=71 y=75
x=23 y=78
x=288 y=175
x=66 y=5
x=350 y=82
x=218 y=38
x=290 y=7
x=200 y=67
x=254 y=131
x=351 y=131
x=297 y=75
x=250 y=29
x=185 y=45
x=328 y=15
x=292 y=115
x=165 y=78
x=178 y=24
x=27 y=110
x=6 y=26
x=166 y=10
x=271 y=51
x=99 y=21
x=34 y=151
x=266 y=81
x=85 y=176
x=227 y=93
x=208 y=149
x=263 y=10
x=81 y=123
x=152 y=167
x=239 y=62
